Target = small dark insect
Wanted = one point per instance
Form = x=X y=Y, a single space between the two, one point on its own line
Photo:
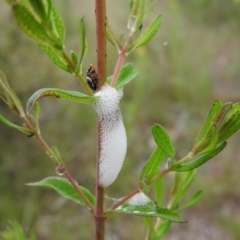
x=30 y=135
x=92 y=78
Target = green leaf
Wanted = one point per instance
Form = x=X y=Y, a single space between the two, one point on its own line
x=147 y=34
x=193 y=199
x=158 y=186
x=148 y=209
x=12 y=125
x=209 y=142
x=65 y=189
x=151 y=168
x=187 y=180
x=10 y=97
x=30 y=26
x=236 y=106
x=59 y=26
x=208 y=122
x=133 y=14
x=14 y=231
x=140 y=14
x=110 y=36
x=199 y=160
x=41 y=7
x=59 y=93
x=162 y=229
x=230 y=126
x=127 y=74
x=74 y=57
x=163 y=140
x=56 y=57
x=222 y=114
x=83 y=43
x=3 y=85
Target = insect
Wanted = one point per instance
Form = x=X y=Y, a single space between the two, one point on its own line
x=92 y=78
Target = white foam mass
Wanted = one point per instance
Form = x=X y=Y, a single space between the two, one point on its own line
x=113 y=143
x=139 y=199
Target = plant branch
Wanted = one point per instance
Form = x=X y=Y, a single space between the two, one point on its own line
x=79 y=77
x=78 y=190
x=137 y=190
x=117 y=69
x=61 y=167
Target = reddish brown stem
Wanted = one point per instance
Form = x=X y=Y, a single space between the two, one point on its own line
x=117 y=69
x=78 y=190
x=100 y=13
x=99 y=192
x=123 y=200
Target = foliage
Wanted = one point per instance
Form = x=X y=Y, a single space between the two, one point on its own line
x=41 y=22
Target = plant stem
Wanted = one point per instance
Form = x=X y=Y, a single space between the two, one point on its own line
x=100 y=14
x=160 y=174
x=99 y=194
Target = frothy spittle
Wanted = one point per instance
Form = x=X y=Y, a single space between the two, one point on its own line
x=139 y=199
x=113 y=144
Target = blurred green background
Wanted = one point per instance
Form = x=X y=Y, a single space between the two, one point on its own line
x=194 y=59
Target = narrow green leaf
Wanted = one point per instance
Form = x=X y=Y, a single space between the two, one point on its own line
x=74 y=57
x=236 y=106
x=3 y=85
x=151 y=167
x=208 y=122
x=229 y=127
x=222 y=113
x=30 y=26
x=10 y=97
x=158 y=186
x=65 y=189
x=163 y=140
x=147 y=34
x=193 y=199
x=140 y=14
x=133 y=14
x=14 y=231
x=110 y=35
x=199 y=160
x=209 y=142
x=83 y=44
x=55 y=57
x=187 y=180
x=148 y=209
x=12 y=125
x=59 y=26
x=59 y=93
x=162 y=229
x=41 y=7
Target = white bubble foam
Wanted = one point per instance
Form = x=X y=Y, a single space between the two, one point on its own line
x=113 y=144
x=139 y=199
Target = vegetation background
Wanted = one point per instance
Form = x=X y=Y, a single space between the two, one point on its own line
x=194 y=59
